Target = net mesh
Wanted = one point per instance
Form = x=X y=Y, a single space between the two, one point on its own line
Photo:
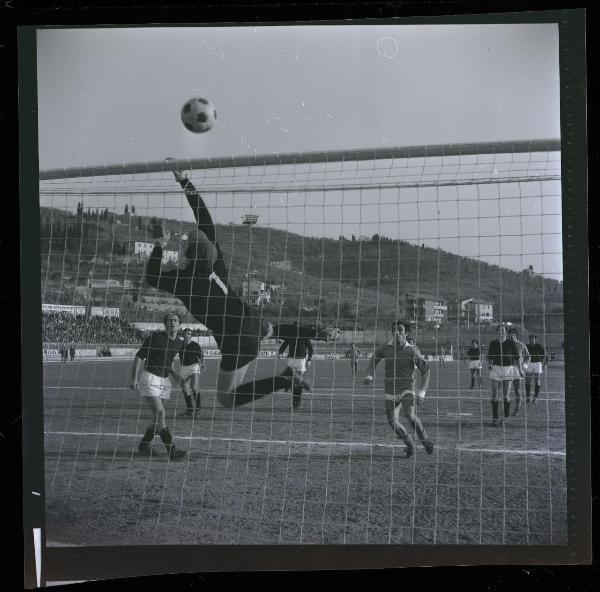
x=452 y=240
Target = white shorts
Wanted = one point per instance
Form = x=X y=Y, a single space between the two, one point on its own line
x=534 y=368
x=501 y=373
x=151 y=385
x=297 y=364
x=475 y=365
x=186 y=372
x=407 y=395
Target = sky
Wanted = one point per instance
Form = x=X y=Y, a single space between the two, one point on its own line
x=113 y=95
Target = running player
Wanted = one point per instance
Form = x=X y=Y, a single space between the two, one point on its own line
x=474 y=355
x=353 y=352
x=401 y=359
x=237 y=327
x=502 y=355
x=192 y=364
x=298 y=359
x=538 y=360
x=520 y=364
x=154 y=382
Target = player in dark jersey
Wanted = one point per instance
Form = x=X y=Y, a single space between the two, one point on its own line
x=154 y=382
x=237 y=327
x=502 y=356
x=400 y=390
x=192 y=364
x=298 y=359
x=474 y=355
x=534 y=370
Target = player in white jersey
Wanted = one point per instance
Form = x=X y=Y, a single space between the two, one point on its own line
x=400 y=390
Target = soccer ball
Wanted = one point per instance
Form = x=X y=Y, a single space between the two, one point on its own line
x=198 y=115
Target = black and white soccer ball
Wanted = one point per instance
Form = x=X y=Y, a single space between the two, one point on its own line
x=198 y=115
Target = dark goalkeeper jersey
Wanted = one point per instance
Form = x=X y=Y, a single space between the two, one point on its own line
x=236 y=326
x=503 y=353
x=159 y=352
x=191 y=354
x=474 y=354
x=537 y=352
x=299 y=348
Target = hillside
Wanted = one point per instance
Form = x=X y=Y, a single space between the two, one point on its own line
x=343 y=278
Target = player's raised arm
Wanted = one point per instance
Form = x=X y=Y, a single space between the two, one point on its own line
x=201 y=213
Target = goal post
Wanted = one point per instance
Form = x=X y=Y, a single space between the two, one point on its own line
x=451 y=239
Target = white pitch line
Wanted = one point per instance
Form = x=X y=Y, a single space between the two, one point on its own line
x=331 y=393
x=317 y=443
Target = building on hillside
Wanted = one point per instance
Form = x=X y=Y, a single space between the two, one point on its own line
x=425 y=308
x=472 y=310
x=143 y=250
x=285 y=265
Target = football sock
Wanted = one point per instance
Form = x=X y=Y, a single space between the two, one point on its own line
x=506 y=408
x=149 y=435
x=537 y=390
x=188 y=401
x=495 y=409
x=166 y=437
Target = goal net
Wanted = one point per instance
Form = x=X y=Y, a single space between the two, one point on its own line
x=452 y=240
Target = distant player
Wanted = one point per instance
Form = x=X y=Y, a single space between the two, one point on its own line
x=64 y=353
x=520 y=364
x=401 y=359
x=353 y=353
x=443 y=356
x=192 y=365
x=72 y=353
x=298 y=359
x=237 y=327
x=534 y=370
x=502 y=356
x=154 y=382
x=475 y=356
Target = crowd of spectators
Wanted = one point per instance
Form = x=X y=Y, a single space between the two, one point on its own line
x=61 y=327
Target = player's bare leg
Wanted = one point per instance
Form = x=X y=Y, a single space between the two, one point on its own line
x=187 y=395
x=506 y=397
x=408 y=407
x=517 y=387
x=159 y=427
x=401 y=432
x=195 y=386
